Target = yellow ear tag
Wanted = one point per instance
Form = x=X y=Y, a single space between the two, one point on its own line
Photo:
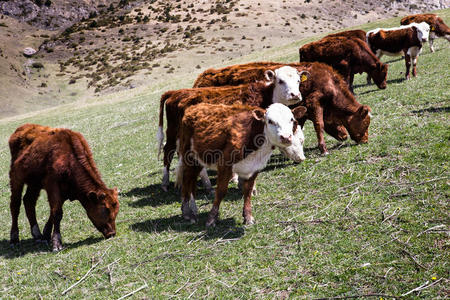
x=303 y=78
x=432 y=28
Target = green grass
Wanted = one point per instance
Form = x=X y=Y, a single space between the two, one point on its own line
x=352 y=223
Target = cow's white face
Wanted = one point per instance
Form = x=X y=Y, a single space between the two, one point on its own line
x=423 y=31
x=279 y=123
x=295 y=151
x=287 y=81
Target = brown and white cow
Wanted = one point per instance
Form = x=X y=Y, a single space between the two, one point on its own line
x=357 y=33
x=230 y=139
x=348 y=56
x=437 y=26
x=280 y=85
x=60 y=162
x=331 y=106
x=406 y=40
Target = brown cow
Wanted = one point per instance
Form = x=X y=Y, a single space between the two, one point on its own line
x=348 y=57
x=357 y=33
x=406 y=40
x=231 y=139
x=331 y=106
x=60 y=162
x=437 y=26
x=281 y=85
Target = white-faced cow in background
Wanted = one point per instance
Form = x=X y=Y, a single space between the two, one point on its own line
x=406 y=40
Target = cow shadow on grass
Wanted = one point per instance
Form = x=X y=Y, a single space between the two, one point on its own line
x=154 y=196
x=225 y=228
x=390 y=81
x=29 y=246
x=432 y=110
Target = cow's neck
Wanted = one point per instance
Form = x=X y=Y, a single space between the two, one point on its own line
x=257 y=159
x=260 y=94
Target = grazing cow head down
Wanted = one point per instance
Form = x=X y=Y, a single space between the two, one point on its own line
x=423 y=31
x=281 y=127
x=286 y=82
x=379 y=74
x=102 y=209
x=358 y=125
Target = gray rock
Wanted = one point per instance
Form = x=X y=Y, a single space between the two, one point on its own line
x=29 y=51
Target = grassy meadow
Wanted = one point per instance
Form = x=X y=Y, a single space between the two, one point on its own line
x=368 y=219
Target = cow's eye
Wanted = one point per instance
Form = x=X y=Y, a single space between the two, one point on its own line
x=280 y=81
x=292 y=119
x=270 y=122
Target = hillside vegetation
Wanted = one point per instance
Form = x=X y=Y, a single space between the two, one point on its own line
x=96 y=47
x=368 y=219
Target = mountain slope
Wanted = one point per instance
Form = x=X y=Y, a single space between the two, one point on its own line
x=100 y=47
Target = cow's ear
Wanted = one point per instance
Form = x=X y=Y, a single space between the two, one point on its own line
x=304 y=75
x=299 y=112
x=269 y=75
x=92 y=196
x=258 y=114
x=364 y=111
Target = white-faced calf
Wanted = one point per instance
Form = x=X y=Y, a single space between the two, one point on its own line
x=232 y=139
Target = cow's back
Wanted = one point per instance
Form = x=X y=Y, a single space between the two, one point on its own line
x=419 y=18
x=328 y=50
x=357 y=33
x=25 y=135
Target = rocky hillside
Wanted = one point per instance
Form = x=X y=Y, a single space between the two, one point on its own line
x=97 y=46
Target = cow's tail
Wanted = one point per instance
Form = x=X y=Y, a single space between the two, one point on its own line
x=160 y=133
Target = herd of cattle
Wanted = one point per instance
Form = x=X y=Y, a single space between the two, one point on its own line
x=230 y=121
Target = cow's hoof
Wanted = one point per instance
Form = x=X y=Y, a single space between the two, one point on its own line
x=56 y=243
x=14 y=238
x=57 y=248
x=249 y=221
x=254 y=192
x=325 y=153
x=211 y=192
x=211 y=223
x=14 y=243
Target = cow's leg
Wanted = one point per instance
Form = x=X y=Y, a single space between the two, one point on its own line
x=317 y=116
x=223 y=178
x=350 y=81
x=254 y=190
x=56 y=213
x=188 y=206
x=29 y=201
x=169 y=151
x=16 y=199
x=431 y=40
x=378 y=54
x=248 y=186
x=205 y=181
x=235 y=178
x=407 y=64
x=302 y=121
x=414 y=63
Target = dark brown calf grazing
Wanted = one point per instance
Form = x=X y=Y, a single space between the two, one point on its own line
x=330 y=105
x=357 y=33
x=406 y=40
x=348 y=56
x=437 y=26
x=60 y=162
x=280 y=85
x=231 y=139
